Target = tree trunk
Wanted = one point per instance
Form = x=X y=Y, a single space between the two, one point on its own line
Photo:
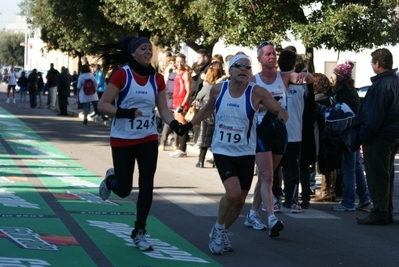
x=309 y=59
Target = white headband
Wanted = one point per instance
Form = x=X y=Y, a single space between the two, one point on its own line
x=235 y=58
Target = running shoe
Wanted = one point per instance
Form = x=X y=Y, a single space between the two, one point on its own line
x=140 y=242
x=295 y=208
x=227 y=245
x=341 y=207
x=104 y=192
x=216 y=242
x=14 y=101
x=178 y=154
x=275 y=226
x=254 y=222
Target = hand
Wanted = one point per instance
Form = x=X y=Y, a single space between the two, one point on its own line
x=278 y=125
x=127 y=113
x=179 y=128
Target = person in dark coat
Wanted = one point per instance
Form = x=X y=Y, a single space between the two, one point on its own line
x=327 y=161
x=32 y=88
x=63 y=88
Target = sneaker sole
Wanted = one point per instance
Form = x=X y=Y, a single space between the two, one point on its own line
x=276 y=229
x=343 y=210
x=254 y=227
x=103 y=194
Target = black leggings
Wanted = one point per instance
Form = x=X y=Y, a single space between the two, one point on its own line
x=124 y=159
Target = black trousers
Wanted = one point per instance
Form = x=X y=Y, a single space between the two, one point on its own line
x=379 y=157
x=124 y=159
x=63 y=104
x=32 y=98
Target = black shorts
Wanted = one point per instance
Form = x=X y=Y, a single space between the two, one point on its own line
x=9 y=87
x=271 y=135
x=241 y=166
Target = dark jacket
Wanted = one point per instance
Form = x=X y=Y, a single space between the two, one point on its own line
x=198 y=83
x=350 y=97
x=32 y=81
x=308 y=151
x=63 y=84
x=52 y=78
x=327 y=159
x=379 y=112
x=22 y=81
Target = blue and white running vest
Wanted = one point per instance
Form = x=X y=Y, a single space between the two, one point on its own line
x=235 y=123
x=133 y=95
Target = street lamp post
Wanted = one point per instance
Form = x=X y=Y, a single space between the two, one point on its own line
x=26 y=47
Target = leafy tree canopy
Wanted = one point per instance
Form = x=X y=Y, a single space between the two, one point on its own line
x=77 y=26
x=11 y=52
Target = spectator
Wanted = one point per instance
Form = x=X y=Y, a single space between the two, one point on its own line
x=12 y=82
x=22 y=83
x=63 y=88
x=181 y=102
x=32 y=88
x=83 y=98
x=327 y=161
x=352 y=170
x=214 y=72
x=378 y=126
x=51 y=85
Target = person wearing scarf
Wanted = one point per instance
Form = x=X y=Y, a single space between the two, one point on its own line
x=133 y=92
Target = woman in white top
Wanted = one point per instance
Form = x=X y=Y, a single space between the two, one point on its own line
x=84 y=98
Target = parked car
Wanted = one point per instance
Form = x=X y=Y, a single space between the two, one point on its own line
x=362 y=91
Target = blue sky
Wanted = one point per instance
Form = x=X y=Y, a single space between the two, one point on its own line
x=8 y=10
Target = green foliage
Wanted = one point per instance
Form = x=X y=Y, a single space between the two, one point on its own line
x=78 y=26
x=11 y=52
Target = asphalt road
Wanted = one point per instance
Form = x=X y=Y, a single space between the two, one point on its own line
x=186 y=200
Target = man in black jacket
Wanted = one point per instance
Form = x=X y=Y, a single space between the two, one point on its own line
x=64 y=81
x=51 y=85
x=379 y=132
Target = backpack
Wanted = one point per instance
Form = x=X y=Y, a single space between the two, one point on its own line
x=339 y=119
x=89 y=87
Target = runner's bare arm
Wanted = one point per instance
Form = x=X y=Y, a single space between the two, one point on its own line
x=207 y=110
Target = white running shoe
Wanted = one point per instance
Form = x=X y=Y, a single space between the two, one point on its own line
x=104 y=192
x=275 y=226
x=227 y=245
x=216 y=242
x=14 y=101
x=254 y=222
x=178 y=154
x=7 y=101
x=140 y=242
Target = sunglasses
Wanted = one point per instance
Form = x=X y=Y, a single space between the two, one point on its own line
x=240 y=65
x=265 y=43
